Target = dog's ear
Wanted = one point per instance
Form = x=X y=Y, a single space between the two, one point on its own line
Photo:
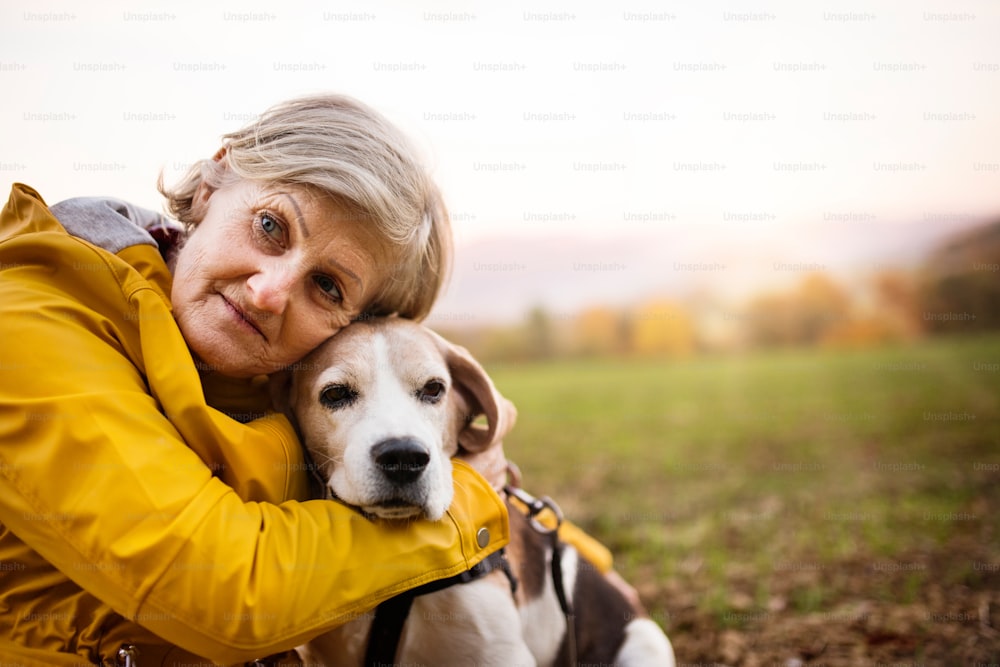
x=477 y=397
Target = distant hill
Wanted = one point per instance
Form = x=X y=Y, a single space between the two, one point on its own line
x=971 y=251
x=960 y=282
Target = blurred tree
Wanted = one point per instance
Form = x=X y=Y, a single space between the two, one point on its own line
x=960 y=290
x=538 y=334
x=769 y=321
x=597 y=331
x=502 y=343
x=822 y=306
x=661 y=328
x=804 y=316
x=897 y=302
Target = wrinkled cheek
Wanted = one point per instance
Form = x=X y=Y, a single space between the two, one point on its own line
x=299 y=337
x=191 y=310
x=294 y=350
x=184 y=319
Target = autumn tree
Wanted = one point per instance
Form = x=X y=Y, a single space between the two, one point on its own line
x=661 y=328
x=539 y=337
x=598 y=331
x=960 y=291
x=806 y=315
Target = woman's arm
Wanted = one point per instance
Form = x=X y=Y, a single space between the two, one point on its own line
x=96 y=479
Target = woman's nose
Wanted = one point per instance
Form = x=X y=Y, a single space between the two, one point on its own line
x=270 y=288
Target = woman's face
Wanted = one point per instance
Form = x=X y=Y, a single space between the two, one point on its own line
x=268 y=274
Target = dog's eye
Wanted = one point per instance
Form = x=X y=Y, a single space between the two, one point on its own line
x=337 y=396
x=431 y=392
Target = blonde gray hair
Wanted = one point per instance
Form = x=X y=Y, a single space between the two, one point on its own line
x=344 y=149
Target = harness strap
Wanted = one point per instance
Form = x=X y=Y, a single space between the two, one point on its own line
x=564 y=603
x=534 y=507
x=390 y=616
x=387 y=625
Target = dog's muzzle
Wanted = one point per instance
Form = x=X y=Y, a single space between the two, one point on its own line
x=402 y=490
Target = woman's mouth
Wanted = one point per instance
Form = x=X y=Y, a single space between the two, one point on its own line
x=242 y=318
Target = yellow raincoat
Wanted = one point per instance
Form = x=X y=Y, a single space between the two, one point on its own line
x=133 y=512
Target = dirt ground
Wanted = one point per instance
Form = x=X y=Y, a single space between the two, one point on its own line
x=917 y=609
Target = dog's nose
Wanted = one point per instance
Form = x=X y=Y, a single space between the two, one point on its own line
x=401 y=460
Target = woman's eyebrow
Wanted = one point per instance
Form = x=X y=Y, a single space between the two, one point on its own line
x=298 y=213
x=346 y=271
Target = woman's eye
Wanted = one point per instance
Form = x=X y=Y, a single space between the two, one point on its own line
x=328 y=285
x=270 y=225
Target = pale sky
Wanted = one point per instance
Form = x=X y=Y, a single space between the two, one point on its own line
x=750 y=125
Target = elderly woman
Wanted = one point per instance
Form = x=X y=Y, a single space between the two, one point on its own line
x=148 y=496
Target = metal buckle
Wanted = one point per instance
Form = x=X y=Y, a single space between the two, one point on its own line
x=535 y=507
x=127 y=656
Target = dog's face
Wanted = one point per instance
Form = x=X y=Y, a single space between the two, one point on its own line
x=383 y=405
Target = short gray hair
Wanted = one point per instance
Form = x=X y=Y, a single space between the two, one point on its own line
x=342 y=148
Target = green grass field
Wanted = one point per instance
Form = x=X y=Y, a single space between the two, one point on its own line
x=778 y=483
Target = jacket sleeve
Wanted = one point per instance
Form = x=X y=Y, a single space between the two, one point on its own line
x=99 y=482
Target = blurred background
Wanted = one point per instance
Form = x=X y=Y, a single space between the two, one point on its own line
x=737 y=263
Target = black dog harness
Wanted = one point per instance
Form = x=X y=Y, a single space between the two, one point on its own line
x=390 y=616
x=387 y=626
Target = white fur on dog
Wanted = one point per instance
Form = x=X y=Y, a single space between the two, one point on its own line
x=543 y=622
x=477 y=619
x=645 y=645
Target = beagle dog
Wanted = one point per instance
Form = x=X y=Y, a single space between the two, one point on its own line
x=381 y=408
